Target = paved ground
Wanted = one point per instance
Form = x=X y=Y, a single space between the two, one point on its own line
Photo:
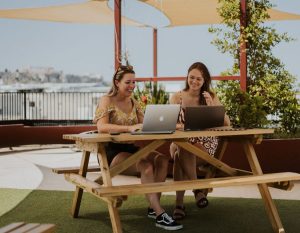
x=29 y=167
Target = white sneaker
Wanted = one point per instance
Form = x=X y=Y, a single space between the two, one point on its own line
x=166 y=222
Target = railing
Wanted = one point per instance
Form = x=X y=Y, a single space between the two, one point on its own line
x=48 y=108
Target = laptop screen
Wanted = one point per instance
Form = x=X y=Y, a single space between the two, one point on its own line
x=161 y=117
x=203 y=117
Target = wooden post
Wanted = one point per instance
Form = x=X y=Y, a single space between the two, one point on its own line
x=155 y=54
x=117 y=33
x=243 y=46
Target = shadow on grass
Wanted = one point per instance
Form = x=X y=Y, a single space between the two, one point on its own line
x=223 y=215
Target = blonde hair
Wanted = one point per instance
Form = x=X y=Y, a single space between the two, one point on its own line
x=118 y=76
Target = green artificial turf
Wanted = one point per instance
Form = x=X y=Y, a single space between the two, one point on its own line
x=9 y=198
x=223 y=215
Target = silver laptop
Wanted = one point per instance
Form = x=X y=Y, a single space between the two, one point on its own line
x=203 y=117
x=160 y=119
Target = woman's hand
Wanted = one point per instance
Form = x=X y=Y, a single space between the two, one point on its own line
x=133 y=128
x=208 y=98
x=179 y=126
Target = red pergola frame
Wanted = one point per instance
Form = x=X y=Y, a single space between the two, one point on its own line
x=243 y=52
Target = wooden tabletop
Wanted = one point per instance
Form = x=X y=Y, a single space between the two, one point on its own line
x=96 y=137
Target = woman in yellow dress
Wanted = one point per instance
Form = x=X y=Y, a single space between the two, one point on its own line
x=119 y=112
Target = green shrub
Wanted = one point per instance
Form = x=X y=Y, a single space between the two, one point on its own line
x=269 y=84
x=152 y=93
x=243 y=109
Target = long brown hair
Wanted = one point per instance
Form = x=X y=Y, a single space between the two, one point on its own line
x=118 y=76
x=207 y=81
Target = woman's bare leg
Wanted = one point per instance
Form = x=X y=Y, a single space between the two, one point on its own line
x=146 y=169
x=147 y=176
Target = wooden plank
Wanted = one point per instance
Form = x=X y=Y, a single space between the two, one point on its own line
x=21 y=227
x=88 y=137
x=11 y=227
x=177 y=135
x=87 y=146
x=263 y=188
x=114 y=218
x=63 y=170
x=143 y=152
x=101 y=153
x=79 y=191
x=192 y=184
x=82 y=182
x=43 y=228
x=206 y=157
x=25 y=228
x=112 y=206
x=88 y=186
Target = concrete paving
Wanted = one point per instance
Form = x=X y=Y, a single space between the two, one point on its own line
x=30 y=167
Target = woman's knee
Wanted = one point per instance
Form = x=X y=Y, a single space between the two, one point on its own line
x=145 y=167
x=161 y=160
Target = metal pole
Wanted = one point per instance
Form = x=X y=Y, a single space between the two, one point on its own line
x=24 y=100
x=117 y=34
x=243 y=46
x=155 y=54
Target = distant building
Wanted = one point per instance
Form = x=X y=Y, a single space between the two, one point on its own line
x=38 y=75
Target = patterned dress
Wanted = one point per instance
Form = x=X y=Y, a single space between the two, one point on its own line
x=117 y=116
x=209 y=143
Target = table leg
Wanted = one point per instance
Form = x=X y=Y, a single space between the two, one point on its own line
x=113 y=211
x=263 y=188
x=79 y=191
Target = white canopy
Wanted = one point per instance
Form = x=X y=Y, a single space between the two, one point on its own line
x=94 y=12
x=195 y=12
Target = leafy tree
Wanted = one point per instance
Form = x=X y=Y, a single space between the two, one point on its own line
x=267 y=80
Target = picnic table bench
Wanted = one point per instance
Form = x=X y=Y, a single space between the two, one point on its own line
x=21 y=227
x=110 y=193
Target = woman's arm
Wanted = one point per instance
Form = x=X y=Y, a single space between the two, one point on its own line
x=175 y=99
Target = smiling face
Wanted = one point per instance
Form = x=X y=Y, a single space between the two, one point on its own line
x=126 y=85
x=195 y=80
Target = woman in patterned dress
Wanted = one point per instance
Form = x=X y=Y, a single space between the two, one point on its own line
x=119 y=112
x=196 y=92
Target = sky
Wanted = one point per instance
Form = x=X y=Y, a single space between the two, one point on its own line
x=89 y=49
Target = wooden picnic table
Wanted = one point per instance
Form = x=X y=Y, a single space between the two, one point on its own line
x=111 y=193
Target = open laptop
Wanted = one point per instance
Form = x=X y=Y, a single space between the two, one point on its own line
x=203 y=117
x=160 y=119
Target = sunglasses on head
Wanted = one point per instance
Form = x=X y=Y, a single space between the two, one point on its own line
x=122 y=69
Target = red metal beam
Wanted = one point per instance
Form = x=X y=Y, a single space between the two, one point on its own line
x=155 y=53
x=243 y=47
x=117 y=34
x=150 y=79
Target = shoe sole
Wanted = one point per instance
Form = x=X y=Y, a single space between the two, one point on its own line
x=169 y=228
x=151 y=216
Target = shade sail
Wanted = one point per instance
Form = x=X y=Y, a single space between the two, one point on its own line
x=93 y=12
x=195 y=12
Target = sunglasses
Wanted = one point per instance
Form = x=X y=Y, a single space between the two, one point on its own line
x=121 y=69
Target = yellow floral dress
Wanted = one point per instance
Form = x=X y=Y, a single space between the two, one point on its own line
x=117 y=116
